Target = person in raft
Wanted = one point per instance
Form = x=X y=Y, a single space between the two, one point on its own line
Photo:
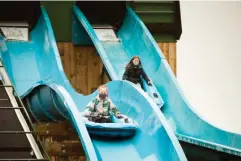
x=134 y=71
x=101 y=107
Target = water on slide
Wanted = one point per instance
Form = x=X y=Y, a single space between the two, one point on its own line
x=135 y=39
x=36 y=71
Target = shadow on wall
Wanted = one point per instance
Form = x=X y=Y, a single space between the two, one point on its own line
x=109 y=13
x=20 y=11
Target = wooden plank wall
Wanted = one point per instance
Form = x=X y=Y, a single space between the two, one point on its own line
x=60 y=141
x=169 y=50
x=84 y=70
x=82 y=66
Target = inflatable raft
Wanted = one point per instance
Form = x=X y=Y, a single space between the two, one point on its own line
x=124 y=127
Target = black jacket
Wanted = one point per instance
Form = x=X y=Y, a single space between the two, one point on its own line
x=133 y=74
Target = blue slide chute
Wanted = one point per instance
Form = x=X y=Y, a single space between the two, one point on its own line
x=135 y=39
x=36 y=71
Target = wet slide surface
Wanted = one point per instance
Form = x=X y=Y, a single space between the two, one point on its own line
x=51 y=97
x=135 y=39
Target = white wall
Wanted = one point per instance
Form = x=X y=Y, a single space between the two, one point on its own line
x=209 y=61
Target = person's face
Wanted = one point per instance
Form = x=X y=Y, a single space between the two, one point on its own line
x=136 y=61
x=103 y=93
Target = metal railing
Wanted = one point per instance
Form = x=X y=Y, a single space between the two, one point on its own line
x=29 y=122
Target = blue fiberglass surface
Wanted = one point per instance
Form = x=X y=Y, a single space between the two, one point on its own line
x=135 y=39
x=113 y=54
x=184 y=119
x=36 y=71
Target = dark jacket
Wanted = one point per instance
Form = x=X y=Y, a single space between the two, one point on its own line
x=133 y=74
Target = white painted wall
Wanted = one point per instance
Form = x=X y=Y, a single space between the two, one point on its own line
x=209 y=60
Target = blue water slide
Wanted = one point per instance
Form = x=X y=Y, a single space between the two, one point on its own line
x=135 y=39
x=114 y=54
x=36 y=71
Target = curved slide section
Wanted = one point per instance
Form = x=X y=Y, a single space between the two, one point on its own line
x=135 y=39
x=113 y=53
x=36 y=71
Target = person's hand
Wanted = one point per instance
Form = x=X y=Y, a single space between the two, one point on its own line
x=87 y=113
x=119 y=116
x=149 y=83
